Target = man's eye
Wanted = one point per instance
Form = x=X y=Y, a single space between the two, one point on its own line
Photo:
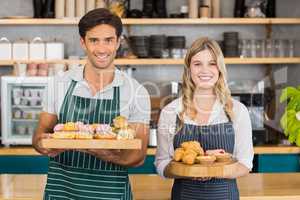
x=93 y=40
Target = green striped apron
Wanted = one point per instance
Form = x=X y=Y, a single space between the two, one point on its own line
x=77 y=175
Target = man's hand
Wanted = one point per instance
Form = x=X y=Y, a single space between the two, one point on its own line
x=45 y=151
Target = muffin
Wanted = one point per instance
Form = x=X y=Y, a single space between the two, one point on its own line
x=206 y=160
x=104 y=131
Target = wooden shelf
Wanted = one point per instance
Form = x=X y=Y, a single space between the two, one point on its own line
x=159 y=21
x=162 y=61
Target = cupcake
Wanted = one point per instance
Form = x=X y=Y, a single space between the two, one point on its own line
x=104 y=131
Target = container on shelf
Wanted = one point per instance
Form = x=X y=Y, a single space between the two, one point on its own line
x=20 y=50
x=37 y=49
x=5 y=49
x=55 y=50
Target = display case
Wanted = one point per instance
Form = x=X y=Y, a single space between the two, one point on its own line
x=21 y=104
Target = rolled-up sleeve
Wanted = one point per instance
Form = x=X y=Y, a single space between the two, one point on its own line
x=243 y=150
x=166 y=130
x=140 y=108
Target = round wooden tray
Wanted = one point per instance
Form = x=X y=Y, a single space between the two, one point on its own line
x=217 y=169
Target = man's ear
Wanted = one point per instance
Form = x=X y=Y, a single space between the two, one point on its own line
x=82 y=43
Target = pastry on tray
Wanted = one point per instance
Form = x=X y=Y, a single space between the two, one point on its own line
x=223 y=157
x=71 y=130
x=126 y=134
x=85 y=131
x=104 y=131
x=220 y=154
x=178 y=154
x=193 y=145
x=206 y=160
x=120 y=122
x=187 y=152
x=79 y=130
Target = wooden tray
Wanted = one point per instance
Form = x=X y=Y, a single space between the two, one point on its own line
x=91 y=144
x=217 y=169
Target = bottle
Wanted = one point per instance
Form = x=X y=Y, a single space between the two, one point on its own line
x=239 y=8
x=70 y=8
x=80 y=8
x=216 y=9
x=184 y=11
x=193 y=8
x=59 y=9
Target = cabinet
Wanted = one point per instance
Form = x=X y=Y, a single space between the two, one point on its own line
x=268 y=22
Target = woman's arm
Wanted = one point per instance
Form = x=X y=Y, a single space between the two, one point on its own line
x=165 y=150
x=243 y=149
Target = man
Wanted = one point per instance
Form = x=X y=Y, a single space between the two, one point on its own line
x=95 y=93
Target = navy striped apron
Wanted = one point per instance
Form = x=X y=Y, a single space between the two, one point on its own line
x=217 y=136
x=80 y=176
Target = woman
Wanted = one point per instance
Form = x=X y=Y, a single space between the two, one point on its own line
x=205 y=112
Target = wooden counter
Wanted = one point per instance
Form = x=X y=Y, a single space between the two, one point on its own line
x=152 y=187
x=151 y=151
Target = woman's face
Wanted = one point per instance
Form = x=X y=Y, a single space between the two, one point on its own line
x=204 y=70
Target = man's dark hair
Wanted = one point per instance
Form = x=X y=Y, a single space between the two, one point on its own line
x=97 y=17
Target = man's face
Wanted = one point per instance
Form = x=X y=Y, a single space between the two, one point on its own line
x=101 y=44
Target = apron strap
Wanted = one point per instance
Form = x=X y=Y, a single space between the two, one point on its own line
x=67 y=97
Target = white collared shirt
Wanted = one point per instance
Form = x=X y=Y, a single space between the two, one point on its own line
x=243 y=148
x=134 y=98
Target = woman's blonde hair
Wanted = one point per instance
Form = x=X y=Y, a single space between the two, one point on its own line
x=221 y=87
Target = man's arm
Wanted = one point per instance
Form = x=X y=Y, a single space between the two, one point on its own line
x=46 y=124
x=130 y=158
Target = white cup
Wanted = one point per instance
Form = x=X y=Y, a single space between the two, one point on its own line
x=21 y=69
